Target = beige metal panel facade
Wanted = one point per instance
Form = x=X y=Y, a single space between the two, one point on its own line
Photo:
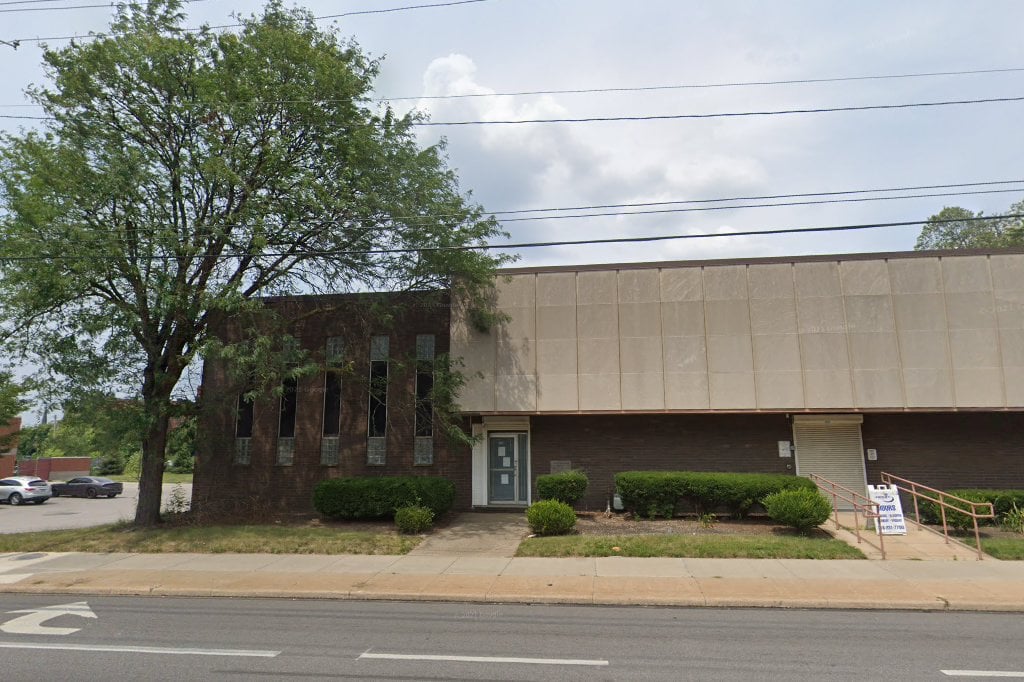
x=907 y=332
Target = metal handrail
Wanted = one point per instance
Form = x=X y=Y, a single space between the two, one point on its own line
x=902 y=485
x=861 y=505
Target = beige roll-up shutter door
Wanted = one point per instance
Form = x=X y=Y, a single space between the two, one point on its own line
x=831 y=447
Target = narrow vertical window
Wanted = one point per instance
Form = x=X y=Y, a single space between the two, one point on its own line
x=378 y=405
x=286 y=424
x=424 y=445
x=330 y=445
x=243 y=429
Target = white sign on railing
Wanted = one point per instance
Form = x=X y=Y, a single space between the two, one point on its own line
x=890 y=510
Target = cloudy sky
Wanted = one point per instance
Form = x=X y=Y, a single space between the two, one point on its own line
x=502 y=46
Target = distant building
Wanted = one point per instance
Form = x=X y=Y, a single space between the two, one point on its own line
x=844 y=366
x=9 y=446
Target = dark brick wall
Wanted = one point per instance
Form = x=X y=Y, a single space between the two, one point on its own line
x=943 y=450
x=264 y=486
x=951 y=450
x=604 y=445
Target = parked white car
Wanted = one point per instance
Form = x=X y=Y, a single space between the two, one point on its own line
x=19 y=489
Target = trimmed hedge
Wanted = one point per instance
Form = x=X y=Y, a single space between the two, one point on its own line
x=378 y=497
x=551 y=517
x=800 y=508
x=659 y=493
x=568 y=487
x=414 y=519
x=1002 y=502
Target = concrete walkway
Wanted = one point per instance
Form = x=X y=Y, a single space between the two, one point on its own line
x=988 y=585
x=919 y=544
x=476 y=534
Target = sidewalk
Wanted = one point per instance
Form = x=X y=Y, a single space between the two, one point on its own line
x=988 y=585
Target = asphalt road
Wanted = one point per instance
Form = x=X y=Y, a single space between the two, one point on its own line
x=76 y=512
x=223 y=639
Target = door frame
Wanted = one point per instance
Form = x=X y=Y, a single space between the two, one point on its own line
x=516 y=455
x=828 y=419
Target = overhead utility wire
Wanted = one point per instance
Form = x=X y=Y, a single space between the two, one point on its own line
x=696 y=209
x=66 y=7
x=611 y=89
x=729 y=114
x=764 y=197
x=425 y=219
x=524 y=245
x=696 y=86
x=666 y=117
x=222 y=26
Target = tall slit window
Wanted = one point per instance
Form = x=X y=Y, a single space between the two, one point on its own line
x=378 y=404
x=424 y=444
x=330 y=443
x=286 y=423
x=243 y=429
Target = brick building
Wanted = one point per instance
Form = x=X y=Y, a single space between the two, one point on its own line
x=9 y=446
x=845 y=366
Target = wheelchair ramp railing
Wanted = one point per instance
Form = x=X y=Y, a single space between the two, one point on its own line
x=860 y=504
x=945 y=501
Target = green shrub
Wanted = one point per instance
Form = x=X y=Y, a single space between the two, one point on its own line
x=665 y=493
x=551 y=517
x=1002 y=501
x=379 y=497
x=1013 y=520
x=568 y=487
x=133 y=466
x=802 y=509
x=414 y=519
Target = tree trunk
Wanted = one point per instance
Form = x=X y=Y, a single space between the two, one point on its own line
x=147 y=512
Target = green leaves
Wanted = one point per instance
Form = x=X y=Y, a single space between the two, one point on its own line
x=958 y=228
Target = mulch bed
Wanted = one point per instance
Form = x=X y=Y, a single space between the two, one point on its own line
x=603 y=523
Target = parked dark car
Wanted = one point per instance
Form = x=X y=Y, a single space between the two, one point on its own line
x=87 y=486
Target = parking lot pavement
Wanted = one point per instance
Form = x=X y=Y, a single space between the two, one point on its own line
x=77 y=512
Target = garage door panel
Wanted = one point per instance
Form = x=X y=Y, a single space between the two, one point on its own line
x=832 y=450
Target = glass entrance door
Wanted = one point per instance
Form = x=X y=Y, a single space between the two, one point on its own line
x=507 y=464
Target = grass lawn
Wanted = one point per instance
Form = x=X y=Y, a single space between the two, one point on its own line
x=707 y=546
x=272 y=539
x=1011 y=548
x=168 y=478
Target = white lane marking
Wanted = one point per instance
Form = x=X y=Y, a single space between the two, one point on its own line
x=250 y=653
x=10 y=578
x=32 y=622
x=982 y=673
x=483 y=659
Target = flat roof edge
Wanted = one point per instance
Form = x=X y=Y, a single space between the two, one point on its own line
x=822 y=258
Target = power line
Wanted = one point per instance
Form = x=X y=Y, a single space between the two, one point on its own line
x=612 y=89
x=666 y=117
x=729 y=114
x=417 y=220
x=696 y=209
x=695 y=86
x=66 y=7
x=238 y=25
x=524 y=245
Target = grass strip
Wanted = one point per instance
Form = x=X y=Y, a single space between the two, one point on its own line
x=274 y=539
x=718 y=547
x=1008 y=549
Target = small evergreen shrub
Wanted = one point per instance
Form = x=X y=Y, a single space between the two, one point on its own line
x=802 y=509
x=568 y=487
x=379 y=497
x=654 y=494
x=551 y=517
x=414 y=519
x=1002 y=501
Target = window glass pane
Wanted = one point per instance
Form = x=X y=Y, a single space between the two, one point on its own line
x=332 y=404
x=289 y=400
x=243 y=423
x=335 y=351
x=424 y=404
x=378 y=398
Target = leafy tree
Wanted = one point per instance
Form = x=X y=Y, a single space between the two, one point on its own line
x=958 y=228
x=31 y=441
x=10 y=398
x=181 y=445
x=185 y=174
